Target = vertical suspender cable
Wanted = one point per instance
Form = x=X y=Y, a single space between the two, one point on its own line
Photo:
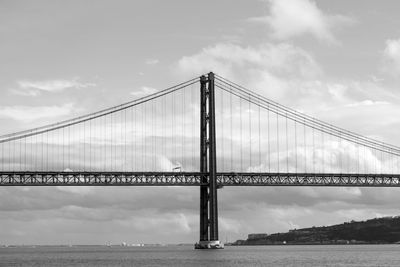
x=132 y=140
x=250 y=139
x=37 y=153
x=313 y=143
x=25 y=154
x=69 y=148
x=173 y=126
x=231 y=125
x=42 y=152
x=100 y=160
x=287 y=144
x=305 y=147
x=323 y=152
x=20 y=155
x=165 y=134
x=223 y=129
x=156 y=135
x=365 y=169
x=125 y=163
x=269 y=143
x=105 y=143
x=392 y=161
x=47 y=150
x=340 y=152
x=112 y=144
x=121 y=141
x=84 y=147
x=153 y=148
x=358 y=157
x=37 y=167
x=9 y=167
x=145 y=135
x=241 y=136
x=34 y=147
x=184 y=147
x=110 y=154
x=135 y=158
x=259 y=137
x=295 y=144
x=11 y=158
x=90 y=145
x=193 y=126
x=277 y=139
x=2 y=156
x=194 y=148
x=331 y=160
x=63 y=148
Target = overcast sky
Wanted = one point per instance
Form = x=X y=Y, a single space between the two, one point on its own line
x=335 y=60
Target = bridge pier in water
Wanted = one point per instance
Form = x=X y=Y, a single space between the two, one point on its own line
x=208 y=167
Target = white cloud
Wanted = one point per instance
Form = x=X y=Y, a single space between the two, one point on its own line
x=376 y=79
x=35 y=88
x=30 y=113
x=368 y=103
x=145 y=90
x=274 y=59
x=29 y=92
x=289 y=18
x=152 y=61
x=391 y=57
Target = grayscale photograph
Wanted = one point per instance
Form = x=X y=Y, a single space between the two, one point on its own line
x=199 y=133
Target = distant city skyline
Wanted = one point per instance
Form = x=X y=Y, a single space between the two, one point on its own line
x=338 y=61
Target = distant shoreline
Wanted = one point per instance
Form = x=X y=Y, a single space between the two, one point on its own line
x=311 y=244
x=376 y=231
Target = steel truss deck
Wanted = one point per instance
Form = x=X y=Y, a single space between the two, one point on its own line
x=194 y=179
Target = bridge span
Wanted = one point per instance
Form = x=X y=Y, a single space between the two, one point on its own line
x=214 y=131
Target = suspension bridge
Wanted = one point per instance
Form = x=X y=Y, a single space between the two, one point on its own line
x=208 y=132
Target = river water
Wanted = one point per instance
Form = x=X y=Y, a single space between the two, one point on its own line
x=327 y=255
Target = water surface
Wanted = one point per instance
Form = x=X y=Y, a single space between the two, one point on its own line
x=327 y=255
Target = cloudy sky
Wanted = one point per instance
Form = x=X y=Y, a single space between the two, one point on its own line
x=335 y=60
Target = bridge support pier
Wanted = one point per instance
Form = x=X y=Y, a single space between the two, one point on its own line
x=208 y=167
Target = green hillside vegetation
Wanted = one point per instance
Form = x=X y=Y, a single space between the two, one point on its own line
x=376 y=231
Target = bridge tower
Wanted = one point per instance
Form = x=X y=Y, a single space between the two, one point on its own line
x=208 y=167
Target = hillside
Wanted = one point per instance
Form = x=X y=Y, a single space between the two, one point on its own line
x=375 y=231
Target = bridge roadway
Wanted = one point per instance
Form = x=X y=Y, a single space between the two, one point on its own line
x=194 y=179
